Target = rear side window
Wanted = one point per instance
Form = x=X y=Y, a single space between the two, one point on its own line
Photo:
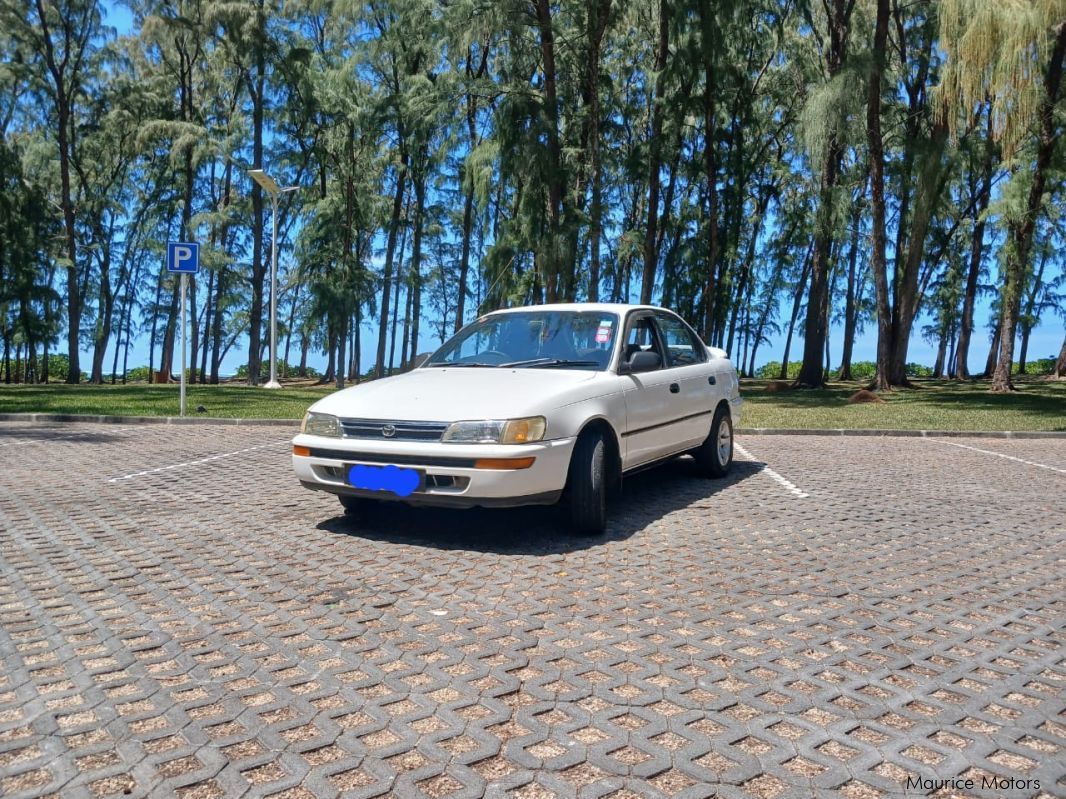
x=682 y=346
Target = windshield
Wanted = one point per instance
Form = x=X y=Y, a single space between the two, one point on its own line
x=534 y=340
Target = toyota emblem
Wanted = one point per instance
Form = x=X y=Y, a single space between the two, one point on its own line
x=388 y=430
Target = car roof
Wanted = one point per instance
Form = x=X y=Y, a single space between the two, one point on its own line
x=601 y=307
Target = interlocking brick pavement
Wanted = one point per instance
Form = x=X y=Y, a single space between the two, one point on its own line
x=213 y=630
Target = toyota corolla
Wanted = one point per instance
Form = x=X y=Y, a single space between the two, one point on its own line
x=524 y=406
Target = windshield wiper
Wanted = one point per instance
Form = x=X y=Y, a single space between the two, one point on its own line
x=534 y=363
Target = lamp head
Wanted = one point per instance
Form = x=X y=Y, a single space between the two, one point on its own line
x=265 y=181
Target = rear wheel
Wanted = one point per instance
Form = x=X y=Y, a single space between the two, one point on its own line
x=586 y=490
x=714 y=458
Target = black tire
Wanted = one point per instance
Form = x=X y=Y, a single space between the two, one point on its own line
x=586 y=489
x=714 y=457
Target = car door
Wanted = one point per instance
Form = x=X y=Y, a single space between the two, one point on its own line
x=690 y=380
x=648 y=398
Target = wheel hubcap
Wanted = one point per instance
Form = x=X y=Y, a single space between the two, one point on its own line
x=725 y=442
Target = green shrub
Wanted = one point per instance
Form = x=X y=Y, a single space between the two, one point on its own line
x=918 y=370
x=772 y=370
x=138 y=374
x=264 y=370
x=1041 y=366
x=863 y=370
x=58 y=366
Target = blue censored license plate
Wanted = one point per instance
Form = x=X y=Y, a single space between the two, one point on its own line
x=395 y=479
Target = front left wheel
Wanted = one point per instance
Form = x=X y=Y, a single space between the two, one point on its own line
x=586 y=490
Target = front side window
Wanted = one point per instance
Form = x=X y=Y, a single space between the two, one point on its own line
x=533 y=339
x=640 y=337
x=681 y=345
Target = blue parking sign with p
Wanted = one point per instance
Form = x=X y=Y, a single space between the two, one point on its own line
x=183 y=257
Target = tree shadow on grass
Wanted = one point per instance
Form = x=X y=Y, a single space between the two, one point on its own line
x=1034 y=397
x=538 y=530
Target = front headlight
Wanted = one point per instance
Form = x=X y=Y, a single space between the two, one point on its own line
x=496 y=431
x=321 y=424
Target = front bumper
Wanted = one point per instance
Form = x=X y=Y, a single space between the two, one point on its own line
x=451 y=477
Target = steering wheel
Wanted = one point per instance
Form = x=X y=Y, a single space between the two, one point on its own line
x=491 y=355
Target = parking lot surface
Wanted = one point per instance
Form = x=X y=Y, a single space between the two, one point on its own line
x=179 y=617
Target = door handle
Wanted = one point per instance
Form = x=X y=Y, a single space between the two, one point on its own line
x=712 y=380
x=674 y=388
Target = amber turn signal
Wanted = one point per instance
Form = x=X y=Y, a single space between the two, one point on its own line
x=503 y=463
x=302 y=451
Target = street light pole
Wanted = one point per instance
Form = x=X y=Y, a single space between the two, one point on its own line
x=273 y=382
x=271 y=187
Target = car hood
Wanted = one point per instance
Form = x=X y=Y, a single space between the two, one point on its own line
x=448 y=395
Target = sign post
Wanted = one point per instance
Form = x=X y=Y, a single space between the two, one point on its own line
x=183 y=258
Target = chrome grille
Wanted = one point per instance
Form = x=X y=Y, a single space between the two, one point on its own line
x=378 y=429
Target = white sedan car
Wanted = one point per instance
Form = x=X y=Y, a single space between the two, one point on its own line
x=529 y=406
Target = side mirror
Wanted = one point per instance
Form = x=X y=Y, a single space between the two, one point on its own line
x=642 y=361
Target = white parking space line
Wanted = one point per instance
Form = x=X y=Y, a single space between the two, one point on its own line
x=999 y=455
x=788 y=485
x=196 y=462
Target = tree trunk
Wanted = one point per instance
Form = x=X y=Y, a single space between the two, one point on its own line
x=1060 y=364
x=396 y=283
x=1027 y=318
x=709 y=42
x=155 y=321
x=464 y=261
x=851 y=301
x=468 y=194
x=331 y=349
x=551 y=261
x=416 y=263
x=406 y=344
x=105 y=311
x=977 y=244
x=797 y=300
x=205 y=344
x=57 y=64
x=1020 y=231
x=941 y=356
x=257 y=89
x=358 y=341
x=876 y=167
x=216 y=322
x=289 y=328
x=598 y=15
x=342 y=340
x=651 y=255
x=390 y=253
x=930 y=187
x=811 y=374
x=993 y=350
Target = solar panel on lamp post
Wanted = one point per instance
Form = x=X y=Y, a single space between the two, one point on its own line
x=270 y=186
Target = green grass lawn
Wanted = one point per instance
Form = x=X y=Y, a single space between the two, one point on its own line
x=933 y=405
x=140 y=399
x=1038 y=404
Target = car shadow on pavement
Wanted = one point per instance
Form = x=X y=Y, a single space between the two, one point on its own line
x=539 y=530
x=56 y=434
